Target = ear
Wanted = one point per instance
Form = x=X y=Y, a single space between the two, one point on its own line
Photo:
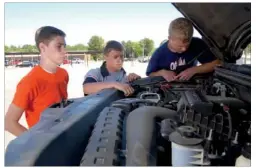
x=42 y=47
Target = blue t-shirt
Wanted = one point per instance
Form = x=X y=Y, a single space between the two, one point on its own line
x=163 y=58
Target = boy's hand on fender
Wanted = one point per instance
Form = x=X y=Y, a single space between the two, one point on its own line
x=132 y=77
x=126 y=88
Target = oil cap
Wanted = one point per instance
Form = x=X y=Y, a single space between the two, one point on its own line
x=185 y=135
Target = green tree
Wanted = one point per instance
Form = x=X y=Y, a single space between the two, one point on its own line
x=6 y=49
x=137 y=49
x=79 y=47
x=14 y=48
x=124 y=45
x=28 y=48
x=132 y=49
x=96 y=43
x=69 y=48
x=151 y=53
x=148 y=45
x=247 y=50
x=129 y=51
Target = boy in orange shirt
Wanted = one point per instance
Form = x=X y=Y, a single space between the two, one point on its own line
x=44 y=85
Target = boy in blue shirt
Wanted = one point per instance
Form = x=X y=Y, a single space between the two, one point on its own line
x=177 y=58
x=111 y=73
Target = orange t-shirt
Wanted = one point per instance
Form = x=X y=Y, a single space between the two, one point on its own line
x=38 y=90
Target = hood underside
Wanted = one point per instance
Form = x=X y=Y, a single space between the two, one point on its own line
x=226 y=27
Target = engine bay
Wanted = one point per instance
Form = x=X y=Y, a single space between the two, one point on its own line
x=202 y=122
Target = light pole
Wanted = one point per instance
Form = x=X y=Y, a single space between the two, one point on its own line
x=143 y=49
x=132 y=57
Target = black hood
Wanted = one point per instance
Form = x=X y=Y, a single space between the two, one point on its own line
x=226 y=27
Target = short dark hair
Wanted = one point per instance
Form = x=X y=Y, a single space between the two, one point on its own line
x=46 y=33
x=113 y=45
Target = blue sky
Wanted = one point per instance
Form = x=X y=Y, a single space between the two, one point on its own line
x=80 y=21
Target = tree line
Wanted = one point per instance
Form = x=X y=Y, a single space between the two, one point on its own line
x=133 y=49
x=247 y=50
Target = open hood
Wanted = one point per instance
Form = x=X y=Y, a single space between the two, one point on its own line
x=226 y=27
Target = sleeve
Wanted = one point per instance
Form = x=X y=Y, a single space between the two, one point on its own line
x=153 y=63
x=92 y=76
x=125 y=78
x=207 y=56
x=66 y=87
x=24 y=94
x=67 y=78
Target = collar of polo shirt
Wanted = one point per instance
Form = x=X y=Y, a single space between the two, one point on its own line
x=104 y=71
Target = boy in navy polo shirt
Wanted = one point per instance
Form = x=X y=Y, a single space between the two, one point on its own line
x=111 y=73
x=177 y=58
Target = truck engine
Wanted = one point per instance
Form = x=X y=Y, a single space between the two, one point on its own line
x=202 y=122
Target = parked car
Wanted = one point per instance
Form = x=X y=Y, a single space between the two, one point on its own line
x=35 y=62
x=6 y=63
x=25 y=64
x=77 y=61
x=143 y=59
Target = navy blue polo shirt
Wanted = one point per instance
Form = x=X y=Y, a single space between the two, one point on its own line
x=163 y=58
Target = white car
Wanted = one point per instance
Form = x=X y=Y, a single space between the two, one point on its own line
x=77 y=61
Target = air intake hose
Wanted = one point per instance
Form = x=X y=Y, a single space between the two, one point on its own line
x=141 y=135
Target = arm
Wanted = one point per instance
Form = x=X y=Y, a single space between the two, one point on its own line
x=157 y=73
x=207 y=67
x=168 y=75
x=152 y=68
x=12 y=118
x=132 y=77
x=208 y=60
x=90 y=88
x=67 y=81
x=93 y=82
x=23 y=96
